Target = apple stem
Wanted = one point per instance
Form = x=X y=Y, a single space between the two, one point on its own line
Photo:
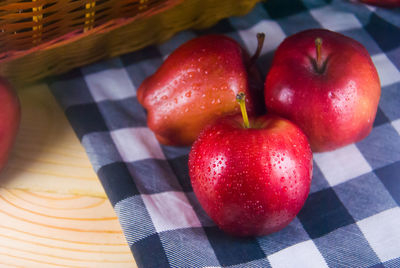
x=260 y=43
x=318 y=45
x=241 y=99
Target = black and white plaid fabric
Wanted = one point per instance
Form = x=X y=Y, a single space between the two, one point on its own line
x=351 y=217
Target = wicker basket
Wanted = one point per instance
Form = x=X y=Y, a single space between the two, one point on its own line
x=39 y=38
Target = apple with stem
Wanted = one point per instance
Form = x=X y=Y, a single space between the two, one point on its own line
x=326 y=84
x=9 y=120
x=214 y=66
x=251 y=175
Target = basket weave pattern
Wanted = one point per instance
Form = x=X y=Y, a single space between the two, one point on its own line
x=24 y=25
x=45 y=37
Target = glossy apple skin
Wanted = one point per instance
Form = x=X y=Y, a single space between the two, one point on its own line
x=383 y=3
x=196 y=84
x=333 y=108
x=9 y=120
x=252 y=181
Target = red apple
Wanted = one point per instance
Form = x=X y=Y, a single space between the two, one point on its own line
x=382 y=3
x=196 y=84
x=251 y=181
x=325 y=83
x=9 y=120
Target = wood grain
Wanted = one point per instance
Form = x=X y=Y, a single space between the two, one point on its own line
x=53 y=209
x=40 y=229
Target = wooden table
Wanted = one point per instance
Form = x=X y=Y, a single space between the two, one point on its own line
x=53 y=210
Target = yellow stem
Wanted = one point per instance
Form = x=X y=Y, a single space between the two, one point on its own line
x=241 y=99
x=318 y=44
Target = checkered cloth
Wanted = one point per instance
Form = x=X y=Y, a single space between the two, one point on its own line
x=351 y=217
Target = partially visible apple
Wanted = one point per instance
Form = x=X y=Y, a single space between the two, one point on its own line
x=9 y=120
x=196 y=84
x=325 y=83
x=383 y=3
x=251 y=180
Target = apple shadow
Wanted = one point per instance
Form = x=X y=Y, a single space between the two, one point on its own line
x=264 y=63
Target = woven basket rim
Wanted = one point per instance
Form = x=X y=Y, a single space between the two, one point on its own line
x=78 y=34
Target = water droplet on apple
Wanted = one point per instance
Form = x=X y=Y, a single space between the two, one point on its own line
x=164 y=97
